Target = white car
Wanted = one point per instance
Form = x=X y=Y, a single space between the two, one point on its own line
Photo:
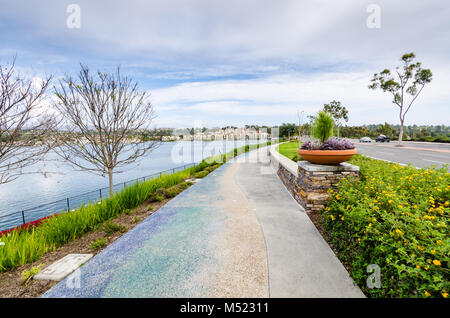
x=365 y=139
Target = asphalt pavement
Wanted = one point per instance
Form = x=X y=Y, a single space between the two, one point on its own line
x=418 y=154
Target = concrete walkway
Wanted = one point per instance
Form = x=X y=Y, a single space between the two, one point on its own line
x=301 y=264
x=236 y=233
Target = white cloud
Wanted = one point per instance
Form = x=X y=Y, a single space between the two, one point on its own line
x=280 y=97
x=300 y=54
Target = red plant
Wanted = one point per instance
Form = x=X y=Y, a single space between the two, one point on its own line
x=26 y=225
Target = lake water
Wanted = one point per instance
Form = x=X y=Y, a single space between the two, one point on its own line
x=30 y=191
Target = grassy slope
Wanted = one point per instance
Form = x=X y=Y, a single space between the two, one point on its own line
x=289 y=149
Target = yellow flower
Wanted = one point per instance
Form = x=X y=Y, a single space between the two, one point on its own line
x=418 y=266
x=438 y=242
x=444 y=294
x=398 y=232
x=332 y=217
x=427 y=293
x=433 y=251
x=436 y=262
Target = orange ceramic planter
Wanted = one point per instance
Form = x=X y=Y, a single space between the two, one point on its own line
x=326 y=157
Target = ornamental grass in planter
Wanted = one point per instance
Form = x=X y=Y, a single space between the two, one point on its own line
x=326 y=151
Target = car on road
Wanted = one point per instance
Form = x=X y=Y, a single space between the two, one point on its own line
x=383 y=138
x=365 y=139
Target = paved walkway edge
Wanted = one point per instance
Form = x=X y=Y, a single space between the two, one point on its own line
x=301 y=264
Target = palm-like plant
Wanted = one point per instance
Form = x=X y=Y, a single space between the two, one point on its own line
x=323 y=126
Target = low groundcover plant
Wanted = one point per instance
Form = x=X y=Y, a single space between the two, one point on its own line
x=397 y=218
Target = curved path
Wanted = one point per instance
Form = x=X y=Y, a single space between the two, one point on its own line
x=236 y=233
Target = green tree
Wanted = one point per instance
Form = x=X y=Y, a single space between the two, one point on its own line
x=337 y=111
x=287 y=130
x=386 y=130
x=410 y=79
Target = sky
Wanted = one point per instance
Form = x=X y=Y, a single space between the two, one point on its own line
x=216 y=63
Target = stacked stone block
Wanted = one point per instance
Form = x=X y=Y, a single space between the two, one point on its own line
x=310 y=185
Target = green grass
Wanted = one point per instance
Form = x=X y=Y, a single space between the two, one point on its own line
x=26 y=246
x=289 y=150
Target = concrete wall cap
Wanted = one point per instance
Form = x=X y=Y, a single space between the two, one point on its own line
x=308 y=166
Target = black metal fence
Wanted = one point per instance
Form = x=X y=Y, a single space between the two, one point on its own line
x=18 y=218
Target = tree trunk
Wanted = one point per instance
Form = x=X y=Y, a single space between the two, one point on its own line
x=400 y=136
x=111 y=187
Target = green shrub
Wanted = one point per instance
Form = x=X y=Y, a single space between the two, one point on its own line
x=155 y=198
x=201 y=174
x=97 y=244
x=136 y=219
x=28 y=274
x=185 y=185
x=323 y=126
x=395 y=217
x=110 y=228
x=149 y=208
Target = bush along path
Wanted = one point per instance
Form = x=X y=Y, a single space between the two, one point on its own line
x=28 y=245
x=395 y=217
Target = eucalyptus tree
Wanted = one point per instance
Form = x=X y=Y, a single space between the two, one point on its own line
x=24 y=122
x=103 y=115
x=409 y=79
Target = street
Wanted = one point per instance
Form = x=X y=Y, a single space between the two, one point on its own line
x=419 y=154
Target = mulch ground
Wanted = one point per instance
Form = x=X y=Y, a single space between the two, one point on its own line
x=12 y=283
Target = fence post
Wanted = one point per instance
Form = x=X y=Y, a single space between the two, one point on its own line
x=100 y=194
x=68 y=205
x=23 y=217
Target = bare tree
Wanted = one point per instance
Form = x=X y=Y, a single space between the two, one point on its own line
x=24 y=123
x=103 y=116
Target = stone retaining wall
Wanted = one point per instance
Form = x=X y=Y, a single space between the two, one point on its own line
x=309 y=186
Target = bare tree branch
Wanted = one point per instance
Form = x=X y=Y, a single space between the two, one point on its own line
x=103 y=118
x=24 y=124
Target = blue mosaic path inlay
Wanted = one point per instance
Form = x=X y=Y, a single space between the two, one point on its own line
x=162 y=255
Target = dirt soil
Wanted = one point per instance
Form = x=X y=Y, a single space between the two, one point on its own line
x=12 y=284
